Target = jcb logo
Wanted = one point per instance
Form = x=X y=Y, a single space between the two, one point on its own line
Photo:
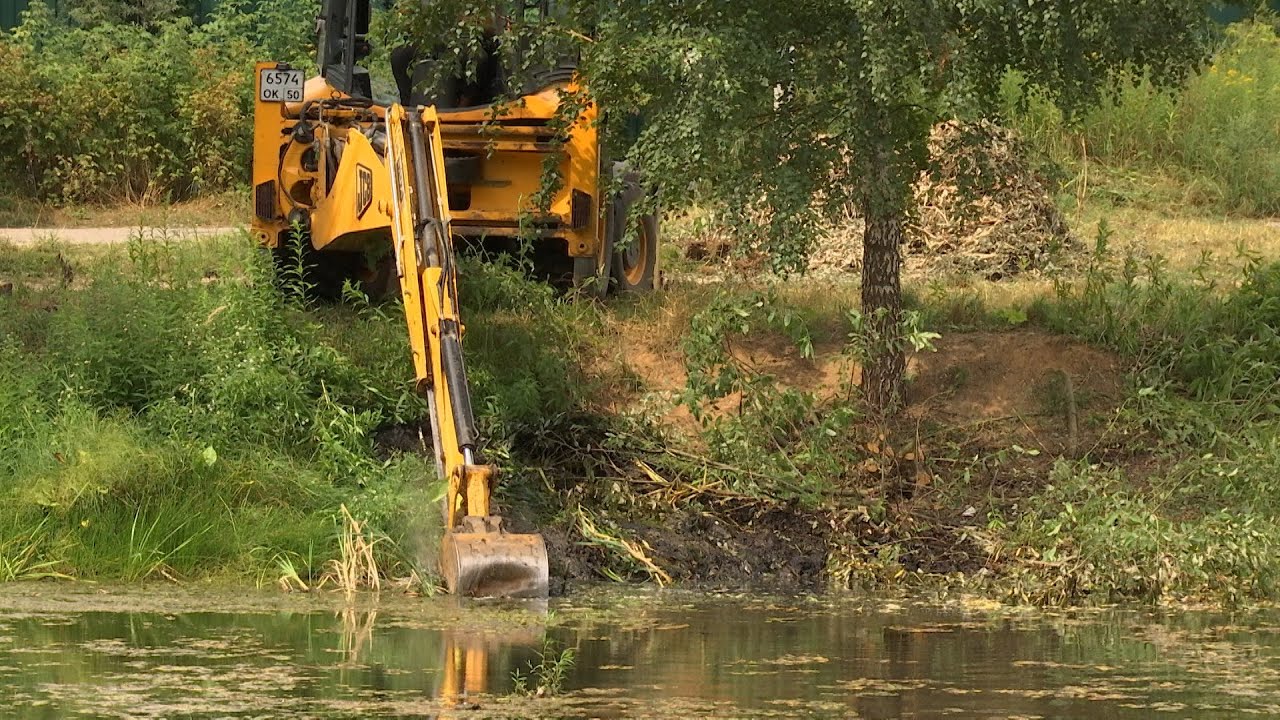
x=364 y=190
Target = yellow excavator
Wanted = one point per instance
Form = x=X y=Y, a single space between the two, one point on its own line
x=383 y=193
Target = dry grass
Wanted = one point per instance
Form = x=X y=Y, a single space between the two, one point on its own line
x=214 y=210
x=356 y=569
x=628 y=550
x=1184 y=240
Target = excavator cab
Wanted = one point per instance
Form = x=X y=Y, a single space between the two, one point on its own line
x=383 y=194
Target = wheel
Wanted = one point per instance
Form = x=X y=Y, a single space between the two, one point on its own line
x=633 y=239
x=321 y=275
x=634 y=265
x=376 y=276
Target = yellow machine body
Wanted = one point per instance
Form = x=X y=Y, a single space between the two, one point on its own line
x=504 y=152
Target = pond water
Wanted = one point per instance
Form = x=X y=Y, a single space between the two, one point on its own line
x=164 y=652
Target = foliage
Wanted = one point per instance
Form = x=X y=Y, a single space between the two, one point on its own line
x=546 y=677
x=1207 y=403
x=1186 y=333
x=145 y=13
x=1095 y=537
x=166 y=409
x=632 y=554
x=1219 y=135
x=796 y=442
x=116 y=111
x=524 y=346
x=173 y=415
x=787 y=114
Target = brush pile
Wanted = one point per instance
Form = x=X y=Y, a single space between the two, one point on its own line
x=983 y=209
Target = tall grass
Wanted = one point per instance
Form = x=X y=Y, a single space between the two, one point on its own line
x=166 y=411
x=161 y=415
x=1218 y=137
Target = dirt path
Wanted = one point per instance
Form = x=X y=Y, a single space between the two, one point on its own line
x=106 y=235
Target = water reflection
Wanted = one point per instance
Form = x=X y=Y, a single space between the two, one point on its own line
x=465 y=671
x=67 y=650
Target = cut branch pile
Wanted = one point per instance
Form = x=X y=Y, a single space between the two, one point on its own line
x=982 y=209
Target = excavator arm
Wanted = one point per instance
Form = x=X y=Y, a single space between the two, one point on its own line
x=478 y=557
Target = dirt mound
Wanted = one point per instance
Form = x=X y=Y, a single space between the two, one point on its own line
x=986 y=376
x=1014 y=377
x=1016 y=388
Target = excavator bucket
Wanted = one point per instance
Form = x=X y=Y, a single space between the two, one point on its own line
x=479 y=559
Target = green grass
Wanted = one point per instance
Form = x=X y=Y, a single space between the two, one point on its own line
x=1213 y=144
x=1205 y=406
x=166 y=412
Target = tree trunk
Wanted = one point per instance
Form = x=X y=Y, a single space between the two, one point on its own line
x=882 y=308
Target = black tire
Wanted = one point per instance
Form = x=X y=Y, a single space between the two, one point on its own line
x=325 y=273
x=376 y=277
x=633 y=240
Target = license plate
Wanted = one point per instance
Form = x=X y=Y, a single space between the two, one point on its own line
x=280 y=86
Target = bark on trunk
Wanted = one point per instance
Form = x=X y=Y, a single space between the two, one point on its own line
x=882 y=307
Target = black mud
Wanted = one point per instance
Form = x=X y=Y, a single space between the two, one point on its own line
x=773 y=548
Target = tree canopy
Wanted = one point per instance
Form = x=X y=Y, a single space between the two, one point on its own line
x=787 y=114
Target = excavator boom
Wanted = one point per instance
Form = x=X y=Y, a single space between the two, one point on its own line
x=478 y=557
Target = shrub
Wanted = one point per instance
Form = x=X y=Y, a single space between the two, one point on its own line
x=1094 y=536
x=175 y=414
x=780 y=441
x=118 y=111
x=1207 y=404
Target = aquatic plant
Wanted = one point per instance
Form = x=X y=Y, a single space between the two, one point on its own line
x=545 y=677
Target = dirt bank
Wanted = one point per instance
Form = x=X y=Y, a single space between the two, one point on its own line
x=918 y=488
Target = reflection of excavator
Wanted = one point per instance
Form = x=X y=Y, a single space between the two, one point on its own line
x=377 y=192
x=470 y=655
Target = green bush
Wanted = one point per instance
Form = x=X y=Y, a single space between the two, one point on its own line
x=798 y=444
x=1095 y=536
x=121 y=112
x=1213 y=346
x=175 y=413
x=1220 y=134
x=1206 y=404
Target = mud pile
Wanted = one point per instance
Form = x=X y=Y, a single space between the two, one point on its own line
x=984 y=209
